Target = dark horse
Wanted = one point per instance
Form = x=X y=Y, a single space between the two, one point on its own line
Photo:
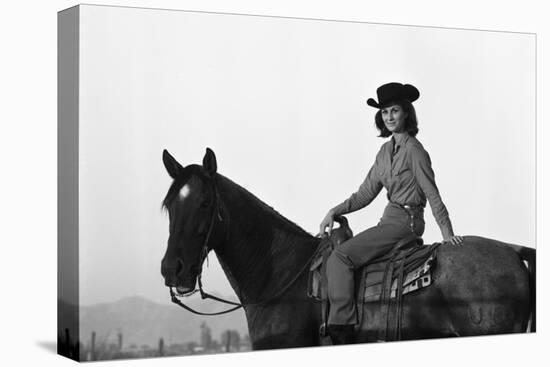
x=482 y=287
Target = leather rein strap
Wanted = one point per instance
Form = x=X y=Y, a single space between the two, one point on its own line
x=204 y=295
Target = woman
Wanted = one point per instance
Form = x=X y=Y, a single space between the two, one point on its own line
x=403 y=167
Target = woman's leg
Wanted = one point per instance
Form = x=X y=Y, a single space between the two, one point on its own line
x=350 y=255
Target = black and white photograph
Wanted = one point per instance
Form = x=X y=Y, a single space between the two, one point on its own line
x=229 y=182
x=258 y=134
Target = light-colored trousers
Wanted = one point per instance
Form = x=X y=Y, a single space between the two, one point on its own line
x=395 y=224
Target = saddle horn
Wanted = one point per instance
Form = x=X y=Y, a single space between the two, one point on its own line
x=343 y=232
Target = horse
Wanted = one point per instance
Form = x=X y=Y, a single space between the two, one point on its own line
x=482 y=287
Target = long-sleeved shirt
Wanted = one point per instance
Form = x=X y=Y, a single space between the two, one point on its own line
x=408 y=177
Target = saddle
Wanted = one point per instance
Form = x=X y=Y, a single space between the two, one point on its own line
x=407 y=268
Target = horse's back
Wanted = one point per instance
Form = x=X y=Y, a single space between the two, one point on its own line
x=480 y=287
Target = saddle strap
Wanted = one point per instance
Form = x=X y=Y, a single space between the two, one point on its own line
x=385 y=299
x=399 y=300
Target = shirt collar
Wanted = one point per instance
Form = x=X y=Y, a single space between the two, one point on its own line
x=401 y=141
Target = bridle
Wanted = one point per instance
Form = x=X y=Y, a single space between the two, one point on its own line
x=216 y=212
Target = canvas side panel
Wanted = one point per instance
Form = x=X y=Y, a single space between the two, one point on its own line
x=67 y=186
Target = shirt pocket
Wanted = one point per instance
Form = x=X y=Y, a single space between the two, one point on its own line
x=381 y=173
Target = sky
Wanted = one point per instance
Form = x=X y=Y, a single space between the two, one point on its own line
x=282 y=104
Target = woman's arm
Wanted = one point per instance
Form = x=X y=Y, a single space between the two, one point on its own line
x=425 y=177
x=366 y=193
x=368 y=190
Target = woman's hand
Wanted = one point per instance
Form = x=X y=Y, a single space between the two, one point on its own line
x=328 y=221
x=454 y=240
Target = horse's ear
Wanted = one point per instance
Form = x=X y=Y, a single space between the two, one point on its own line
x=172 y=166
x=209 y=162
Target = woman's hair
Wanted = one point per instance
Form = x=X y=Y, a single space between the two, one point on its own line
x=411 y=123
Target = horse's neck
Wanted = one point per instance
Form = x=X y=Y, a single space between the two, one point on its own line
x=263 y=251
x=257 y=270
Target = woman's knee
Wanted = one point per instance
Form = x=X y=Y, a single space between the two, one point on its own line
x=339 y=258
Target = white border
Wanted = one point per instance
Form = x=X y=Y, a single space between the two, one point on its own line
x=28 y=153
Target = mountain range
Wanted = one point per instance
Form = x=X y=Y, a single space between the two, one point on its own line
x=143 y=322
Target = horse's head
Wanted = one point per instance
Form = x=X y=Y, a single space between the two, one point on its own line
x=193 y=209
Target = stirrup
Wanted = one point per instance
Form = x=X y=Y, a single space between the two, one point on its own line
x=323 y=330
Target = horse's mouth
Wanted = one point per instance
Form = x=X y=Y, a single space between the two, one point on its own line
x=184 y=291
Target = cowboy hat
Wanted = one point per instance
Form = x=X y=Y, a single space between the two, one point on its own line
x=393 y=92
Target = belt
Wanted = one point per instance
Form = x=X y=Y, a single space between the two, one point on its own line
x=408 y=207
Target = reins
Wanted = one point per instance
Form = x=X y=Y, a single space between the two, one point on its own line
x=205 y=250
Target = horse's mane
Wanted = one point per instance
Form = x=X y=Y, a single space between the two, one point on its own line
x=254 y=200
